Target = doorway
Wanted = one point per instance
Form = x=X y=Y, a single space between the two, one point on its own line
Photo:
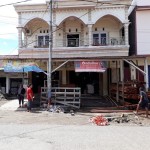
x=82 y=79
x=73 y=40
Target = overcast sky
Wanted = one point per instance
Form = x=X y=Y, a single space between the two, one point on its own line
x=8 y=24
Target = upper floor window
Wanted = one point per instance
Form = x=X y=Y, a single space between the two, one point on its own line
x=73 y=40
x=43 y=41
x=99 y=39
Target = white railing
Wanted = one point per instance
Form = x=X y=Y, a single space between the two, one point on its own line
x=62 y=95
x=111 y=41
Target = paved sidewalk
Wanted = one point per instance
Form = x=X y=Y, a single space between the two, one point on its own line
x=12 y=105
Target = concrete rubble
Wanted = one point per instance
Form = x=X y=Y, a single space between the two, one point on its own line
x=120 y=119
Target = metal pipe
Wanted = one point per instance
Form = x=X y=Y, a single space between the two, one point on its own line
x=60 y=66
x=135 y=66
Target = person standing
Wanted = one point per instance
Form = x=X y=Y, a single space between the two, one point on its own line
x=143 y=101
x=29 y=97
x=21 y=92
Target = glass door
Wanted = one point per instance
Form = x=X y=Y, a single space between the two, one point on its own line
x=96 y=39
x=103 y=39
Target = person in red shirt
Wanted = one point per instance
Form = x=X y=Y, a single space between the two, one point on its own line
x=29 y=97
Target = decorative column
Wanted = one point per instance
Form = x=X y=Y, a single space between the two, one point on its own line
x=90 y=24
x=54 y=28
x=64 y=34
x=19 y=31
x=82 y=41
x=90 y=34
x=19 y=37
x=126 y=30
x=54 y=36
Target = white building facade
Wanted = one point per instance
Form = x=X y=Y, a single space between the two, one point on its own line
x=82 y=30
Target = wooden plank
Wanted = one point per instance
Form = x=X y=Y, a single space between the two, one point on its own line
x=66 y=96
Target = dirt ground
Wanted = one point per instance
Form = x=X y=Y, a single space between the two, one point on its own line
x=38 y=115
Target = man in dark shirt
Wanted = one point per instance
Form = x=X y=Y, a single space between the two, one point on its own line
x=143 y=101
x=21 y=92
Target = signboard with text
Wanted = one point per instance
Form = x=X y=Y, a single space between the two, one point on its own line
x=90 y=66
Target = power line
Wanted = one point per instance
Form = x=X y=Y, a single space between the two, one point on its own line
x=7 y=23
x=102 y=2
x=32 y=33
x=7 y=33
x=60 y=28
x=96 y=2
x=15 y=3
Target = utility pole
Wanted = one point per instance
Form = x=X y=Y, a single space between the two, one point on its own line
x=49 y=81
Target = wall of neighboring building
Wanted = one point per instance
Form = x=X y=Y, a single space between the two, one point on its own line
x=142 y=2
x=143 y=32
x=132 y=33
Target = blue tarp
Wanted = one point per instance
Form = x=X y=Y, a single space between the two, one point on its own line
x=27 y=68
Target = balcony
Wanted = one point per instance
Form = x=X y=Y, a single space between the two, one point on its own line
x=75 y=48
x=74 y=42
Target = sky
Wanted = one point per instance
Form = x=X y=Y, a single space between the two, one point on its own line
x=8 y=24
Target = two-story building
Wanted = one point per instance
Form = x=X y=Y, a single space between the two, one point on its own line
x=83 y=31
x=139 y=31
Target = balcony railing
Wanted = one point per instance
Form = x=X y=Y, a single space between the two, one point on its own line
x=111 y=41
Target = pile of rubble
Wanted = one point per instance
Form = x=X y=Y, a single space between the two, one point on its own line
x=59 y=109
x=120 y=119
x=125 y=118
x=99 y=120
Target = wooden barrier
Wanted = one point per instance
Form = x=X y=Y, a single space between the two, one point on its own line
x=62 y=95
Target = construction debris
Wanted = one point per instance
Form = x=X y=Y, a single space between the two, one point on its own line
x=117 y=118
x=125 y=118
x=99 y=120
x=56 y=109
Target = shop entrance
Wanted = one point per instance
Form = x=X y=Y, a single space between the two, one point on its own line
x=14 y=85
x=87 y=81
x=39 y=78
x=38 y=81
x=3 y=84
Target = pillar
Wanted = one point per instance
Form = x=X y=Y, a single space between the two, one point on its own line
x=64 y=76
x=19 y=37
x=54 y=36
x=90 y=34
x=126 y=30
x=121 y=70
x=105 y=83
x=7 y=84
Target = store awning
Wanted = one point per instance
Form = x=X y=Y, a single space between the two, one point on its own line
x=20 y=66
x=26 y=68
x=90 y=66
